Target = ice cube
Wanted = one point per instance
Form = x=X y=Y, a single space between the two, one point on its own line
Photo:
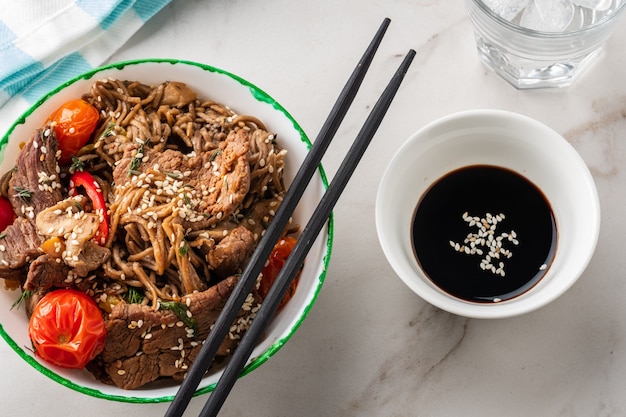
x=506 y=9
x=581 y=19
x=548 y=15
x=584 y=17
x=599 y=5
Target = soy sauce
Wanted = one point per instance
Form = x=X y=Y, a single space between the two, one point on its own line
x=454 y=219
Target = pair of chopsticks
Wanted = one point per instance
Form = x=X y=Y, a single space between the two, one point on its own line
x=305 y=241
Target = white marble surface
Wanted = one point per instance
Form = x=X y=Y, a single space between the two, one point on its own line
x=370 y=347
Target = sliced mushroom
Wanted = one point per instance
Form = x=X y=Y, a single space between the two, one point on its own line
x=68 y=221
x=177 y=94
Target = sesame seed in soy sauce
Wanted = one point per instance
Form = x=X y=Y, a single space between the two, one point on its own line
x=484 y=234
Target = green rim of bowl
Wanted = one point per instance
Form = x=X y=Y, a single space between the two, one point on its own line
x=259 y=95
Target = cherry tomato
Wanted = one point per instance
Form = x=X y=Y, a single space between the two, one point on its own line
x=274 y=264
x=7 y=215
x=67 y=328
x=94 y=192
x=75 y=121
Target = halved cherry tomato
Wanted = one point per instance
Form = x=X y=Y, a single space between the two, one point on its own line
x=7 y=215
x=67 y=328
x=94 y=192
x=272 y=268
x=75 y=121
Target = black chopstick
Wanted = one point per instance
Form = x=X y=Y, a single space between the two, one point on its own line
x=274 y=230
x=305 y=241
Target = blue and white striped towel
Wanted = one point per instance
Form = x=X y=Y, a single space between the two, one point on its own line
x=45 y=43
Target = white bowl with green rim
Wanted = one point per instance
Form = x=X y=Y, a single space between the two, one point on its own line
x=244 y=98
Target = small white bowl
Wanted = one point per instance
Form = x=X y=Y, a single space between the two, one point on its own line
x=503 y=139
x=244 y=98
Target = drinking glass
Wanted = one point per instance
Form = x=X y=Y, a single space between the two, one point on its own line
x=534 y=50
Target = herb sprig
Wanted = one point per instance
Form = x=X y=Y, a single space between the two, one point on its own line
x=137 y=160
x=23 y=194
x=23 y=296
x=77 y=164
x=133 y=295
x=184 y=248
x=181 y=310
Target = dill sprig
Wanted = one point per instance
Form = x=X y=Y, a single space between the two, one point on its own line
x=108 y=131
x=175 y=175
x=77 y=165
x=24 y=295
x=133 y=295
x=23 y=194
x=137 y=160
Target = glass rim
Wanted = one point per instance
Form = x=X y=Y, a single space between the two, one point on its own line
x=540 y=33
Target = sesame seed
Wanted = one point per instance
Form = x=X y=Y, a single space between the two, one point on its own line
x=485 y=237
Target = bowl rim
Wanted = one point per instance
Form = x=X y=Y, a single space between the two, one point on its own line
x=521 y=30
x=435 y=296
x=257 y=94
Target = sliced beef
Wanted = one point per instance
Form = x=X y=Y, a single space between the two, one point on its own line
x=91 y=257
x=46 y=272
x=35 y=184
x=19 y=244
x=217 y=181
x=144 y=345
x=33 y=187
x=230 y=255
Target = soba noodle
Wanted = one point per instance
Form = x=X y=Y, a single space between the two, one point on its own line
x=163 y=223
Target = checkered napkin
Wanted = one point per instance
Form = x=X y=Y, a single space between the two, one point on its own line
x=45 y=43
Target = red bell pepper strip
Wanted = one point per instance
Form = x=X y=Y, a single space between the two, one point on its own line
x=94 y=192
x=272 y=268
